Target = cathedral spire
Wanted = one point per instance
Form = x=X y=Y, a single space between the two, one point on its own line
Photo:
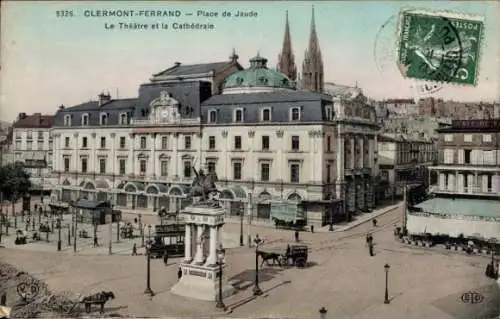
x=312 y=67
x=286 y=58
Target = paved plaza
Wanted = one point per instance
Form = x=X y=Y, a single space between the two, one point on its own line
x=342 y=277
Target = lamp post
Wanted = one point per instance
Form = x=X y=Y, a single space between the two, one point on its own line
x=69 y=234
x=492 y=242
x=148 y=290
x=75 y=230
x=241 y=212
x=220 y=261
x=386 y=296
x=331 y=220
x=322 y=313
x=59 y=234
x=256 y=289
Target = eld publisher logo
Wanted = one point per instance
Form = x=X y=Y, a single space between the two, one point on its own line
x=472 y=297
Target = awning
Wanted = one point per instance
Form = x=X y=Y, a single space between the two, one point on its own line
x=174 y=190
x=480 y=208
x=101 y=184
x=233 y=193
x=133 y=187
x=286 y=211
x=156 y=188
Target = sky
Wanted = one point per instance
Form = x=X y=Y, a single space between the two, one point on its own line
x=49 y=58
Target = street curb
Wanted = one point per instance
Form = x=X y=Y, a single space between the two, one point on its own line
x=390 y=209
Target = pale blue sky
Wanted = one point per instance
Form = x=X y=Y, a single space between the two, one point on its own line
x=48 y=61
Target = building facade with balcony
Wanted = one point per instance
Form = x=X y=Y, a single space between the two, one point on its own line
x=466 y=197
x=32 y=145
x=404 y=160
x=267 y=142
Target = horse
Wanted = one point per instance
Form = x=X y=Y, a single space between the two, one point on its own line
x=266 y=256
x=99 y=298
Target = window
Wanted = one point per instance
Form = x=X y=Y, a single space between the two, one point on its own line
x=143 y=142
x=238 y=115
x=164 y=142
x=467 y=156
x=294 y=114
x=212 y=116
x=487 y=138
x=85 y=119
x=123 y=118
x=237 y=142
x=102 y=165
x=29 y=145
x=329 y=113
x=122 y=141
x=121 y=165
x=266 y=115
x=187 y=142
x=328 y=143
x=187 y=169
x=40 y=135
x=448 y=137
x=84 y=165
x=448 y=155
x=211 y=166
x=104 y=118
x=328 y=173
x=51 y=144
x=211 y=142
x=103 y=142
x=237 y=171
x=66 y=141
x=295 y=143
x=142 y=166
x=67 y=120
x=18 y=145
x=468 y=138
x=84 y=142
x=164 y=168
x=489 y=182
x=294 y=173
x=265 y=171
x=66 y=164
x=265 y=143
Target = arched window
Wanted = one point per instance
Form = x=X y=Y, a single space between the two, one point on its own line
x=238 y=116
x=123 y=118
x=266 y=115
x=104 y=118
x=212 y=116
x=85 y=119
x=295 y=114
x=67 y=120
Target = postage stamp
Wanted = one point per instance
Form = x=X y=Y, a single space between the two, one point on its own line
x=439 y=46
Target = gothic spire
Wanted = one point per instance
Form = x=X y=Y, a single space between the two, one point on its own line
x=286 y=58
x=312 y=67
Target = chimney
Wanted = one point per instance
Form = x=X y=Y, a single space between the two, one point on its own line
x=22 y=116
x=177 y=64
x=62 y=107
x=104 y=98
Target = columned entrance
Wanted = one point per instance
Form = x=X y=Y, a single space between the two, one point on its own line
x=233 y=199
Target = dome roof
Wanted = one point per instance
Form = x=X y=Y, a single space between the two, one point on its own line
x=258 y=75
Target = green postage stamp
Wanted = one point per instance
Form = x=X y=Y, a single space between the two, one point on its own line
x=439 y=46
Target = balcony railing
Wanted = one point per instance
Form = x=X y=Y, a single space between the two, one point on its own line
x=154 y=122
x=465 y=190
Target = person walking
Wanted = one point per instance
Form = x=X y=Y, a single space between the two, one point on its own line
x=374 y=221
x=296 y=236
x=134 y=250
x=165 y=258
x=179 y=274
x=312 y=228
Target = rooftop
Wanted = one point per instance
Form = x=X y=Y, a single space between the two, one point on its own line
x=485 y=125
x=37 y=120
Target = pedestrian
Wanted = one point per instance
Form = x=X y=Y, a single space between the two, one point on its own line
x=312 y=228
x=96 y=243
x=296 y=236
x=134 y=250
x=371 y=249
x=165 y=258
x=179 y=274
x=374 y=221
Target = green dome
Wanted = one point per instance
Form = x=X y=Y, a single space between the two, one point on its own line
x=258 y=75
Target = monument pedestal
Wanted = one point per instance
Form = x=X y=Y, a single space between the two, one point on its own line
x=202 y=283
x=200 y=272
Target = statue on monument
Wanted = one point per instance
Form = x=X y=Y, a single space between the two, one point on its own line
x=203 y=186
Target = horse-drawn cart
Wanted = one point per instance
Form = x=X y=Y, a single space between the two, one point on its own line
x=295 y=255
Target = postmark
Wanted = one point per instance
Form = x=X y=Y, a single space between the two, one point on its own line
x=439 y=46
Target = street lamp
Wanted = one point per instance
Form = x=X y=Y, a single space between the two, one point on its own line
x=241 y=212
x=220 y=261
x=386 y=296
x=149 y=243
x=322 y=313
x=59 y=234
x=492 y=242
x=256 y=289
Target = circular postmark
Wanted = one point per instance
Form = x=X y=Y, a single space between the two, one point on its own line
x=430 y=47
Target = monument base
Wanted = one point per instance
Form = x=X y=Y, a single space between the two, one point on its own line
x=202 y=283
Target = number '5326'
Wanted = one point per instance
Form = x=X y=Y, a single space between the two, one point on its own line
x=64 y=13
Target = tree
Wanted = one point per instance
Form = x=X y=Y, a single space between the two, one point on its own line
x=14 y=182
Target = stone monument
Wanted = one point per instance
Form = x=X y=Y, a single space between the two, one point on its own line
x=204 y=220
